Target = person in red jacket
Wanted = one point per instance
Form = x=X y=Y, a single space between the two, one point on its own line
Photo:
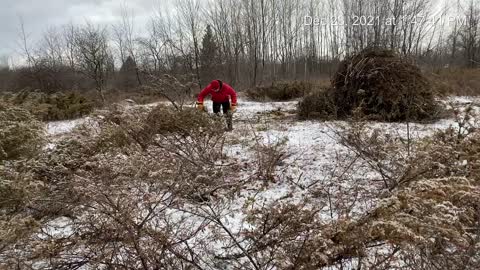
x=221 y=94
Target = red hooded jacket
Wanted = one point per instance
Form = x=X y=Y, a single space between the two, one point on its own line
x=223 y=95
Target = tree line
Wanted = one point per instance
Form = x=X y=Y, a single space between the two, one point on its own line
x=248 y=42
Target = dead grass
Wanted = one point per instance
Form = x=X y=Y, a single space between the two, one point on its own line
x=457 y=81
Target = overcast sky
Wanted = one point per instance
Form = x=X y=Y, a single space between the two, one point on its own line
x=38 y=15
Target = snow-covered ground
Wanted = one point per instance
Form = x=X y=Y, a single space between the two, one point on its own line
x=312 y=146
x=312 y=151
x=62 y=127
x=254 y=113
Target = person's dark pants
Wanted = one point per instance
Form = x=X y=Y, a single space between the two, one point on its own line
x=225 y=106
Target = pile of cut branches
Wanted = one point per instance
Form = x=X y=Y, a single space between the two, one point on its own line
x=377 y=85
x=383 y=86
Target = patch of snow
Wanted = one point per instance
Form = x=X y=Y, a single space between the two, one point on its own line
x=58 y=228
x=49 y=146
x=462 y=100
x=62 y=127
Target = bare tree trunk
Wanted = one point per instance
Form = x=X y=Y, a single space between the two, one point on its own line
x=189 y=13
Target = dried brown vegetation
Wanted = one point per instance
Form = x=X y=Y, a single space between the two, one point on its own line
x=457 y=81
x=150 y=188
x=178 y=90
x=112 y=183
x=318 y=105
x=425 y=216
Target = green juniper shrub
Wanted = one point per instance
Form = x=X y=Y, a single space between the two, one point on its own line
x=53 y=107
x=21 y=135
x=281 y=91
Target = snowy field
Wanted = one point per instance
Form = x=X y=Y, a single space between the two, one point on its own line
x=312 y=154
x=254 y=112
x=312 y=146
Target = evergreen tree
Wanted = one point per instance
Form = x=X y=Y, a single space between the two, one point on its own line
x=128 y=77
x=209 y=58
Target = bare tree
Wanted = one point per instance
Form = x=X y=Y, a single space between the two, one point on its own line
x=24 y=42
x=93 y=55
x=69 y=41
x=190 y=22
x=152 y=48
x=259 y=42
x=470 y=34
x=125 y=40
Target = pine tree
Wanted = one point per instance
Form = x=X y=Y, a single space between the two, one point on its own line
x=209 y=58
x=128 y=79
x=4 y=66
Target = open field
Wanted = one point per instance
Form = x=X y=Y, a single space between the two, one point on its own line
x=270 y=165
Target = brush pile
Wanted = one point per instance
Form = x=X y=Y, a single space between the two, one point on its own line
x=379 y=85
x=383 y=86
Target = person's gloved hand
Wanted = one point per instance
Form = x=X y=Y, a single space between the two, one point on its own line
x=200 y=106
x=233 y=108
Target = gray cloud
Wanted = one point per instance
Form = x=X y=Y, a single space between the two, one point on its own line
x=38 y=15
